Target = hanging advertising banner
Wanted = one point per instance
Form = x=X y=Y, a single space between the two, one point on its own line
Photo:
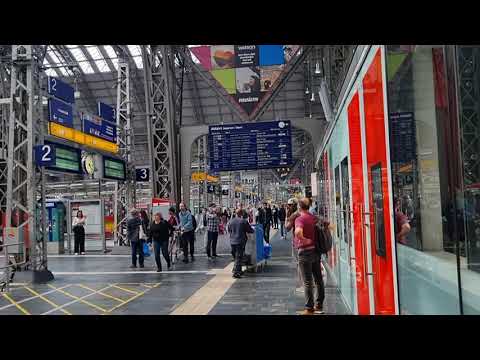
x=246 y=55
x=60 y=112
x=96 y=126
x=246 y=72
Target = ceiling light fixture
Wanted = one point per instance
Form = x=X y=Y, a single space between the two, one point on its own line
x=317 y=68
x=313 y=97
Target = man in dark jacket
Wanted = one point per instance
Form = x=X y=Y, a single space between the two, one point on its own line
x=268 y=222
x=238 y=228
x=133 y=235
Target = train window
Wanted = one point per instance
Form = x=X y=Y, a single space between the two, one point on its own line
x=337 y=198
x=346 y=199
x=377 y=209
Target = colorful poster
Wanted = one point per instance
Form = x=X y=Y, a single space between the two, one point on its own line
x=248 y=102
x=289 y=51
x=202 y=53
x=226 y=78
x=269 y=75
x=248 y=80
x=271 y=55
x=246 y=55
x=223 y=56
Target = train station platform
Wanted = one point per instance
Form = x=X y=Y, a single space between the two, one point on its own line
x=104 y=285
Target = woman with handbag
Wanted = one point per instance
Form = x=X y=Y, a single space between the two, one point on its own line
x=79 y=232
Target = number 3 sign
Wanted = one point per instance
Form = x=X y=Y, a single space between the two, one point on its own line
x=142 y=174
x=45 y=155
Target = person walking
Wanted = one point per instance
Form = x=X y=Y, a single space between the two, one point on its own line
x=268 y=222
x=281 y=217
x=213 y=222
x=159 y=234
x=186 y=226
x=275 y=217
x=238 y=229
x=145 y=227
x=133 y=234
x=308 y=258
x=78 y=227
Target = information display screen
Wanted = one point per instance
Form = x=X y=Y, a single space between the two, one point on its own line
x=114 y=169
x=67 y=159
x=250 y=146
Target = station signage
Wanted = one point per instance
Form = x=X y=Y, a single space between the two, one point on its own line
x=114 y=169
x=45 y=155
x=250 y=146
x=142 y=174
x=201 y=176
x=60 y=90
x=106 y=112
x=66 y=158
x=101 y=128
x=81 y=138
x=60 y=112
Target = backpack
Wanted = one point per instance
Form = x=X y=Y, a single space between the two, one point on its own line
x=323 y=243
x=194 y=222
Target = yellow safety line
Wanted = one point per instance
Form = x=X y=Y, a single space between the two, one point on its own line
x=47 y=300
x=79 y=299
x=150 y=287
x=101 y=293
x=19 y=307
x=131 y=299
x=127 y=290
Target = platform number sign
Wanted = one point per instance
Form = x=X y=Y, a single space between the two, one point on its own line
x=45 y=155
x=142 y=174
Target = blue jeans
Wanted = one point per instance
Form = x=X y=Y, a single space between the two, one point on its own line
x=137 y=247
x=161 y=245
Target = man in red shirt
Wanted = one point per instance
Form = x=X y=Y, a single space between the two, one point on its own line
x=308 y=259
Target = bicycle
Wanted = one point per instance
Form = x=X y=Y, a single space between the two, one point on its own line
x=174 y=246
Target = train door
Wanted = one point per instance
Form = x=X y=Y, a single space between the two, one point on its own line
x=371 y=194
x=377 y=215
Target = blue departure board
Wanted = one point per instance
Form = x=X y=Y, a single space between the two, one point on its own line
x=250 y=146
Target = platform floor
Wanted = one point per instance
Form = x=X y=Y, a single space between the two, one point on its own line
x=104 y=285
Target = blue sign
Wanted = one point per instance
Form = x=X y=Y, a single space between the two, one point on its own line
x=250 y=146
x=60 y=112
x=93 y=125
x=106 y=112
x=67 y=158
x=45 y=155
x=271 y=55
x=61 y=90
x=142 y=174
x=403 y=143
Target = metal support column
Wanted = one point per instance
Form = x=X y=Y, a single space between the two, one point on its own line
x=25 y=210
x=124 y=198
x=161 y=95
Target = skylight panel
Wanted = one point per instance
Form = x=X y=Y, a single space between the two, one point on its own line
x=135 y=50
x=110 y=52
x=78 y=54
x=102 y=65
x=138 y=62
x=86 y=67
x=50 y=72
x=94 y=53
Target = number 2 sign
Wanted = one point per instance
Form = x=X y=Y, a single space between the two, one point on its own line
x=45 y=155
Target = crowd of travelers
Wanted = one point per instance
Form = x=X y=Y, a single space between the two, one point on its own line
x=299 y=217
